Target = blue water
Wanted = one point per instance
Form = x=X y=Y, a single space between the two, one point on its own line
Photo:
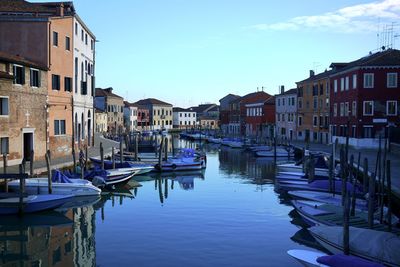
x=228 y=215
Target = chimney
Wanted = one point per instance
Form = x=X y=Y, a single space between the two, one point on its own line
x=282 y=89
x=109 y=89
x=60 y=10
x=312 y=73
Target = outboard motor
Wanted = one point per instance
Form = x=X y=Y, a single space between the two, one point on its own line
x=98 y=181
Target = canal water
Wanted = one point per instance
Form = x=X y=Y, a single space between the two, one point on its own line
x=226 y=215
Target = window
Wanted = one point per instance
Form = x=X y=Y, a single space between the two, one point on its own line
x=19 y=74
x=354 y=81
x=335 y=110
x=35 y=78
x=315 y=121
x=341 y=109
x=91 y=44
x=55 y=38
x=86 y=39
x=354 y=109
x=67 y=43
x=68 y=84
x=368 y=80
x=315 y=102
x=392 y=80
x=279 y=101
x=300 y=120
x=55 y=81
x=341 y=84
x=354 y=131
x=76 y=28
x=59 y=127
x=367 y=131
x=347 y=82
x=4 y=145
x=300 y=103
x=391 y=108
x=283 y=101
x=346 y=109
x=82 y=35
x=335 y=86
x=368 y=108
x=4 y=106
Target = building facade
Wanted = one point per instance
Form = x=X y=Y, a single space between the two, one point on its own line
x=130 y=116
x=160 y=113
x=113 y=104
x=143 y=119
x=23 y=100
x=183 y=118
x=313 y=102
x=224 y=111
x=84 y=82
x=101 y=121
x=45 y=33
x=286 y=114
x=365 y=98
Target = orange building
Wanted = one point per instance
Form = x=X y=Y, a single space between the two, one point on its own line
x=43 y=33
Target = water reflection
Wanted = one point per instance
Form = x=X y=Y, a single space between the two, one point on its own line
x=238 y=162
x=49 y=239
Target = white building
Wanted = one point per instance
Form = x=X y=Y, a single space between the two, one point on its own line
x=130 y=116
x=183 y=118
x=286 y=114
x=84 y=79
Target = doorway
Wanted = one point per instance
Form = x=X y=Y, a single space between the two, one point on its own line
x=28 y=146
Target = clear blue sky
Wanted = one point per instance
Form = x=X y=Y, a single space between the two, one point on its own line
x=188 y=52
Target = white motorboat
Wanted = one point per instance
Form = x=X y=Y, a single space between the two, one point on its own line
x=75 y=187
x=307 y=258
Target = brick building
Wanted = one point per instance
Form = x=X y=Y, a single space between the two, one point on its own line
x=143 y=119
x=224 y=111
x=23 y=91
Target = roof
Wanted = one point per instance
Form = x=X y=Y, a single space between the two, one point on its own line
x=97 y=110
x=255 y=97
x=106 y=92
x=20 y=60
x=230 y=95
x=128 y=104
x=177 y=109
x=389 y=57
x=37 y=9
x=203 y=108
x=152 y=101
x=270 y=100
x=289 y=92
x=318 y=76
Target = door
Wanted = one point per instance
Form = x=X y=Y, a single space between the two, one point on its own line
x=28 y=146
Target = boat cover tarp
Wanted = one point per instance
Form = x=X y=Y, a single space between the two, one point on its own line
x=341 y=260
x=381 y=246
x=324 y=184
x=58 y=177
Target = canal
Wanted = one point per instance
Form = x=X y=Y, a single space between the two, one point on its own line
x=226 y=215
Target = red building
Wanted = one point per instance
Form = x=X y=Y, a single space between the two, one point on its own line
x=143 y=119
x=365 y=93
x=257 y=114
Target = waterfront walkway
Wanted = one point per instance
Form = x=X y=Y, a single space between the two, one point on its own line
x=67 y=161
x=370 y=154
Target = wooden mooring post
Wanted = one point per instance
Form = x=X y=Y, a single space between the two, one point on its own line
x=5 y=171
x=330 y=173
x=102 y=155
x=74 y=158
x=21 y=191
x=31 y=163
x=166 y=149
x=346 y=225
x=389 y=195
x=86 y=158
x=160 y=154
x=371 y=200
x=365 y=176
x=48 y=165
x=136 y=147
x=113 y=157
x=121 y=152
